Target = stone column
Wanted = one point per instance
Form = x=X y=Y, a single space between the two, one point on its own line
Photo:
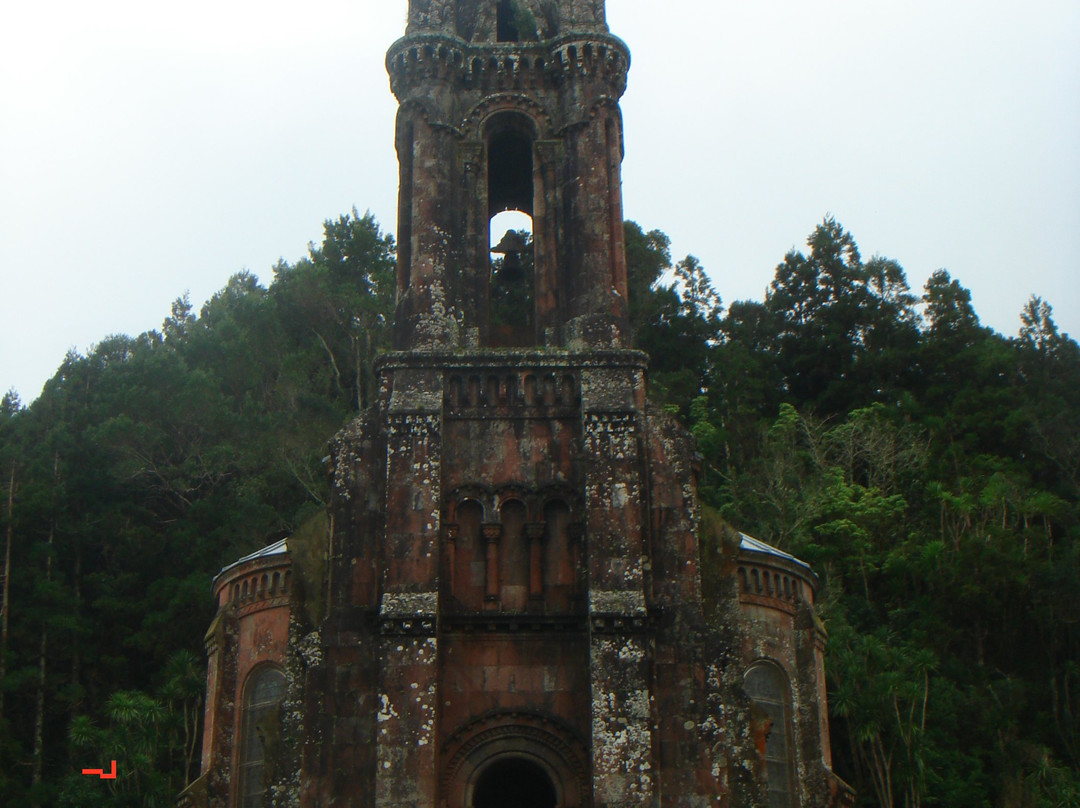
x=220 y=731
x=624 y=771
x=597 y=310
x=474 y=274
x=428 y=315
x=408 y=694
x=450 y=560
x=407 y=620
x=546 y=208
x=491 y=532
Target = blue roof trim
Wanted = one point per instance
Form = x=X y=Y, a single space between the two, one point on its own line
x=753 y=545
x=277 y=548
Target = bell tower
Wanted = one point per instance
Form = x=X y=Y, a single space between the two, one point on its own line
x=509 y=607
x=509 y=105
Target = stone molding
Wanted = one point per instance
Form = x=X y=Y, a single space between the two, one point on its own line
x=507 y=733
x=618 y=625
x=409 y=614
x=512 y=624
x=511 y=359
x=617 y=612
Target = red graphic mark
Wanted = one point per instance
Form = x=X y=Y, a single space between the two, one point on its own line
x=111 y=775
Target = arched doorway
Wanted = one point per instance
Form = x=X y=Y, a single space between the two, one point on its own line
x=514 y=782
x=515 y=760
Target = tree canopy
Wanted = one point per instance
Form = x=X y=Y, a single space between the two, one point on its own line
x=928 y=467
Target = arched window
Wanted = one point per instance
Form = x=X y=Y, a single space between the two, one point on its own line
x=768 y=687
x=261 y=732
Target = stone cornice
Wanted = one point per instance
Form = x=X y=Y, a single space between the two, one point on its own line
x=539 y=359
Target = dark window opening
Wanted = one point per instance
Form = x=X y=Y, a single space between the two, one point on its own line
x=506 y=22
x=514 y=783
x=512 y=287
x=510 y=172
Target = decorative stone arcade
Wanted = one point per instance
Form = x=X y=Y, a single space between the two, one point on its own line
x=510 y=607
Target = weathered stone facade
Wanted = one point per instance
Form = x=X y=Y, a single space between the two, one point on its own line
x=509 y=605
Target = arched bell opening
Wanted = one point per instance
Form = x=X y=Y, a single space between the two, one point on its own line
x=506 y=24
x=514 y=781
x=511 y=194
x=512 y=283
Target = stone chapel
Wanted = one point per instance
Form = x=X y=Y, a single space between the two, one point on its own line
x=506 y=605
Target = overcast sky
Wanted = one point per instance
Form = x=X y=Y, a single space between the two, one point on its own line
x=149 y=149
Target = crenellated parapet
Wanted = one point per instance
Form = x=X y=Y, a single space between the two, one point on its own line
x=773 y=579
x=416 y=62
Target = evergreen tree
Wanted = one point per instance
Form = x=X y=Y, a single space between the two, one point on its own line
x=929 y=469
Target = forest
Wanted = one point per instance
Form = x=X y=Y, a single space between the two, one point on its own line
x=927 y=466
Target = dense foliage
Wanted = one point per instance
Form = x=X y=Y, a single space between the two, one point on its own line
x=927 y=466
x=142 y=469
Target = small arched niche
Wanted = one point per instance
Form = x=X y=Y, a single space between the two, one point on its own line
x=561 y=561
x=464 y=559
x=514 y=781
x=514 y=557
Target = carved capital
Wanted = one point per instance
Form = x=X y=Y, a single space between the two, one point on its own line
x=491 y=531
x=535 y=530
